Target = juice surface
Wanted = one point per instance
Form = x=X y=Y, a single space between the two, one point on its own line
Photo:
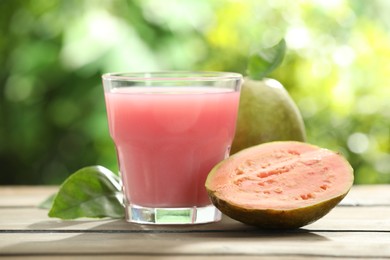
x=168 y=139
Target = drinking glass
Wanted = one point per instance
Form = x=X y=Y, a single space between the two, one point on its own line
x=169 y=130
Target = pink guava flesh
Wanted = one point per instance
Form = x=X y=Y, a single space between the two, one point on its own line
x=281 y=176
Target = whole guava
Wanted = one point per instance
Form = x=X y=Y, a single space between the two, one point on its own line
x=266 y=113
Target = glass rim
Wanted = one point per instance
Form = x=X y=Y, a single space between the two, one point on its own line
x=172 y=76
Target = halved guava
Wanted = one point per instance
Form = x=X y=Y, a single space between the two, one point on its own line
x=280 y=185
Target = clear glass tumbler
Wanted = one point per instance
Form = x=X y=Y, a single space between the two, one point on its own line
x=169 y=130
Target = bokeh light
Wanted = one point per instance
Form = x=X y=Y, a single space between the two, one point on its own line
x=52 y=53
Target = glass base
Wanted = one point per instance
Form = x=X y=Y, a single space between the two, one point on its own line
x=172 y=216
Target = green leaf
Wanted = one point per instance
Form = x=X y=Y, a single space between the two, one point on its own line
x=266 y=60
x=93 y=192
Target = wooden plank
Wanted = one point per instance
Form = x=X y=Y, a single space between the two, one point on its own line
x=40 y=236
x=369 y=217
x=256 y=243
x=29 y=196
x=368 y=195
x=358 y=228
x=24 y=196
x=161 y=257
x=341 y=218
x=150 y=257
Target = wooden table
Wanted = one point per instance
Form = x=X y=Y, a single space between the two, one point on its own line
x=358 y=228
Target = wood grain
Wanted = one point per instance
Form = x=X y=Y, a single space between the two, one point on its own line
x=358 y=228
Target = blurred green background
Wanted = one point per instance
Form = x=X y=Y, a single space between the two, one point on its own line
x=52 y=54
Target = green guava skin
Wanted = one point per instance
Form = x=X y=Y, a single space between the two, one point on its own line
x=273 y=218
x=266 y=113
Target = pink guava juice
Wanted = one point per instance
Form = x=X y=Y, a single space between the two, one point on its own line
x=168 y=139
